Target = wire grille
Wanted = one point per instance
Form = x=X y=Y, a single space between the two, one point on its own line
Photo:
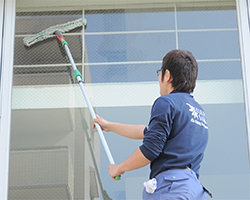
x=45 y=62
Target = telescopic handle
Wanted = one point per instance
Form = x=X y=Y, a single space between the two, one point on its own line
x=78 y=76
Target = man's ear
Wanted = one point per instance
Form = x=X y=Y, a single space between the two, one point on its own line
x=167 y=76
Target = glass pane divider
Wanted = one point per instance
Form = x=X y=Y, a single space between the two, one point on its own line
x=244 y=40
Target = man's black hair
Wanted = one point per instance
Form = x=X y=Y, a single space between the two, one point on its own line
x=183 y=69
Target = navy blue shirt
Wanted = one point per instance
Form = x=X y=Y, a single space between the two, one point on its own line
x=176 y=135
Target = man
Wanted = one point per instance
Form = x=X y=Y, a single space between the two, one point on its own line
x=175 y=138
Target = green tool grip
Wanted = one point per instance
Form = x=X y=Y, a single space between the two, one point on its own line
x=77 y=73
x=118 y=177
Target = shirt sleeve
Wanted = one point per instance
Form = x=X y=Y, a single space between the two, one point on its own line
x=158 y=129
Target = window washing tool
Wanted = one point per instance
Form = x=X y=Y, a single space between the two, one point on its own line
x=49 y=32
x=56 y=31
x=78 y=76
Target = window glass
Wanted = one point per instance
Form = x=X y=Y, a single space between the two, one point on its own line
x=128 y=47
x=219 y=70
x=55 y=154
x=208 y=39
x=124 y=72
x=211 y=45
x=209 y=18
x=130 y=20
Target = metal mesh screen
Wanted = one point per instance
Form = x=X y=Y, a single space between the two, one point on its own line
x=50 y=156
x=47 y=52
x=45 y=62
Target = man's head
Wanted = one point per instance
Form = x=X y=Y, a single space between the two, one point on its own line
x=183 y=70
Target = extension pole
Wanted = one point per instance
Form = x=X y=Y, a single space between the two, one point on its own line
x=78 y=76
x=104 y=193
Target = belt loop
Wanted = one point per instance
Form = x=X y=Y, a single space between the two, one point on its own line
x=206 y=190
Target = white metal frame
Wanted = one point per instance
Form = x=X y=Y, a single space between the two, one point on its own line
x=7 y=49
x=243 y=15
x=1 y=27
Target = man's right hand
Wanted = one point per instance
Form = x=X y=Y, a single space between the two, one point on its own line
x=102 y=122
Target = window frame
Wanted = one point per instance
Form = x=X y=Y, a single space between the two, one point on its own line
x=7 y=19
x=243 y=17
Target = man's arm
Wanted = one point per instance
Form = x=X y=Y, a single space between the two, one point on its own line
x=127 y=130
x=135 y=161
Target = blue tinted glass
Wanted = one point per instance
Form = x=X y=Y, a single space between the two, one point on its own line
x=150 y=21
x=105 y=22
x=130 y=21
x=124 y=73
x=211 y=45
x=226 y=132
x=209 y=19
x=219 y=70
x=121 y=148
x=129 y=47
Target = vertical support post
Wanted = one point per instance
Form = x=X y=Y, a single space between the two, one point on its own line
x=83 y=50
x=176 y=28
x=7 y=57
x=243 y=17
x=1 y=27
